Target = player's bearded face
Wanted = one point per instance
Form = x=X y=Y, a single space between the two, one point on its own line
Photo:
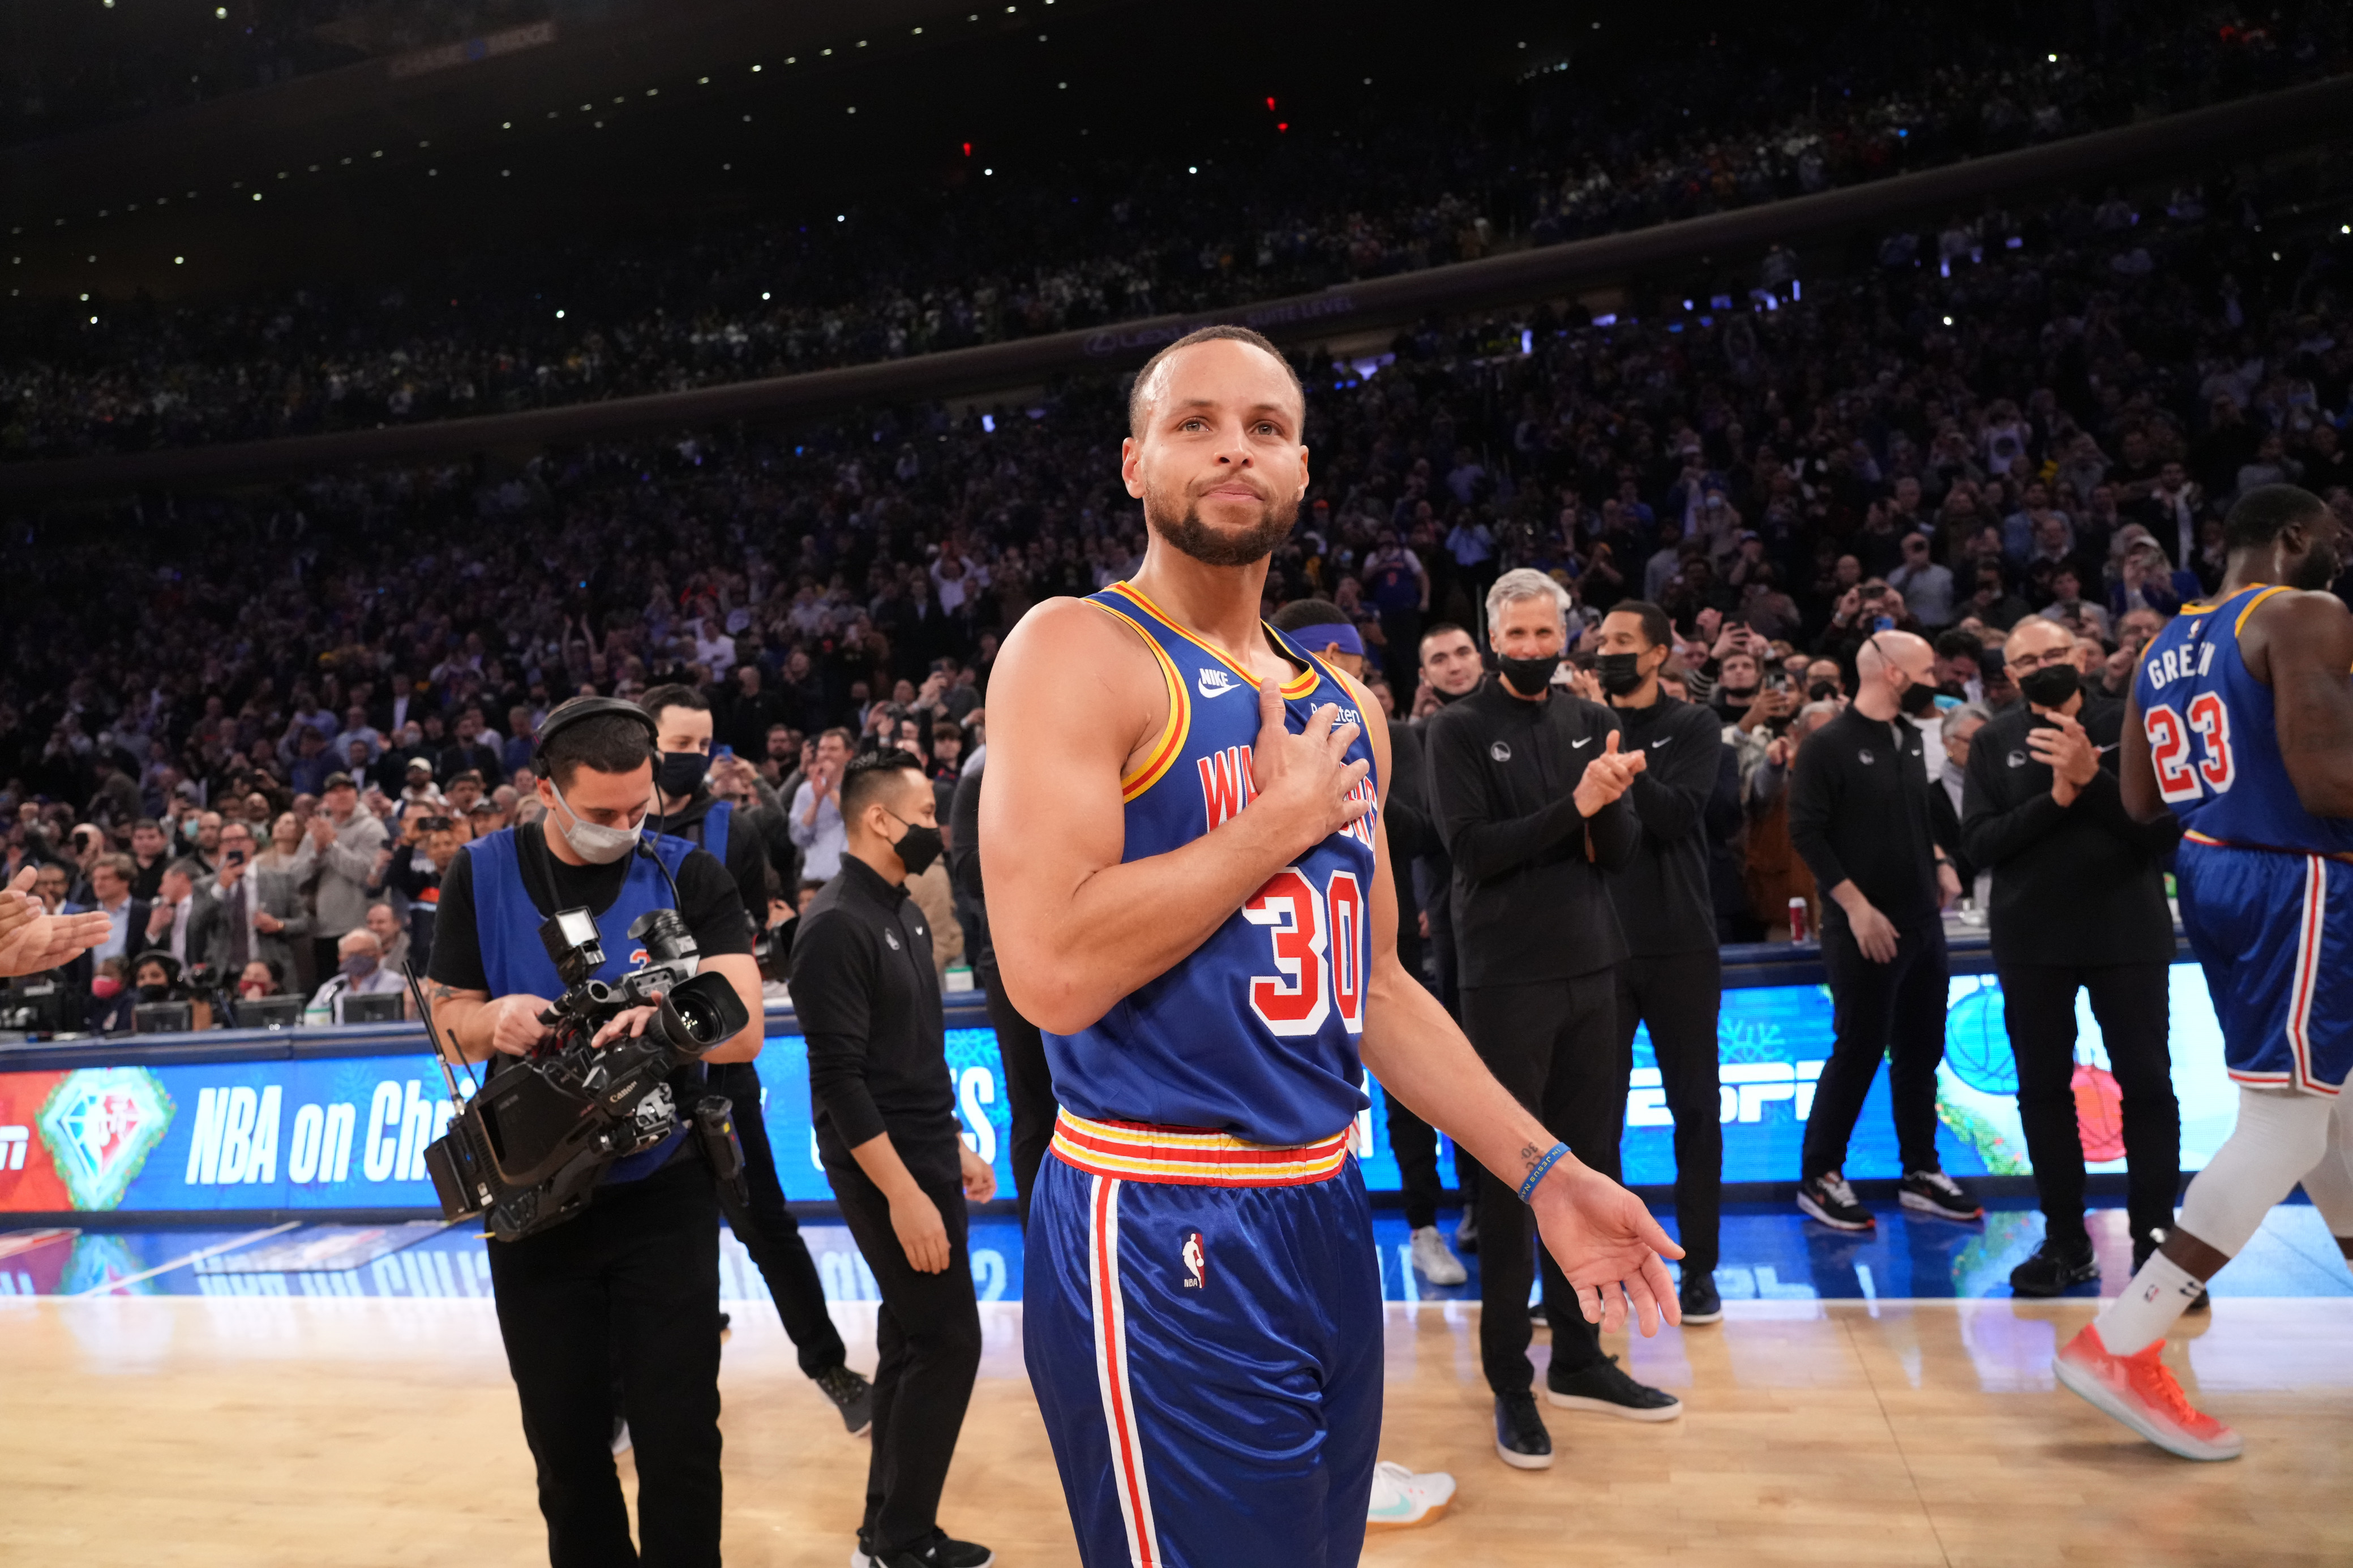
x=2323 y=562
x=1243 y=532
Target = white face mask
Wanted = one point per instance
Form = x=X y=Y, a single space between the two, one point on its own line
x=592 y=841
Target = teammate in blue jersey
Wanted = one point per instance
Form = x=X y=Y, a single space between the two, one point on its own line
x=1189 y=893
x=2241 y=723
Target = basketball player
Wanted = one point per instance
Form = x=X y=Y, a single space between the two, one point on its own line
x=2240 y=721
x=1195 y=904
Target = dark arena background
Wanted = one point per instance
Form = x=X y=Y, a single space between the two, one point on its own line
x=376 y=374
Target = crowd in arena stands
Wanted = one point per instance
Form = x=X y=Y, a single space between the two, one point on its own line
x=1417 y=183
x=346 y=675
x=91 y=65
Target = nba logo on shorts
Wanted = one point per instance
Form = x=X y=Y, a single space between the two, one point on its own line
x=1197 y=1261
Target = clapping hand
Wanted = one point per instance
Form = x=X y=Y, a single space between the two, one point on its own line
x=1608 y=776
x=32 y=941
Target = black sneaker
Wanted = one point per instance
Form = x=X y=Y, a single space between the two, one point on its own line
x=2144 y=1248
x=2056 y=1268
x=1521 y=1440
x=1827 y=1198
x=1935 y=1192
x=1697 y=1296
x=1466 y=1230
x=940 y=1552
x=851 y=1395
x=1605 y=1387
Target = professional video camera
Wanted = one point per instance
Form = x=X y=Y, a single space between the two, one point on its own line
x=531 y=1142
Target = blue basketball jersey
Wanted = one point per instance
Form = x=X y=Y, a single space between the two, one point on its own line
x=2213 y=738
x=1255 y=1031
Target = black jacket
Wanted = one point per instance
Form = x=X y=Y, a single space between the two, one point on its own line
x=1663 y=897
x=868 y=1002
x=1859 y=812
x=1530 y=902
x=2071 y=884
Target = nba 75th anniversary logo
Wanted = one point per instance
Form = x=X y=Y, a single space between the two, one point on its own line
x=101 y=1124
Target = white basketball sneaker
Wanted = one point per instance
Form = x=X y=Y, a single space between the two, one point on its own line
x=1402 y=1500
x=1434 y=1261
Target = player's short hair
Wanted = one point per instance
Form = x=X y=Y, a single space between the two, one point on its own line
x=674 y=696
x=871 y=772
x=1139 y=396
x=1657 y=630
x=1309 y=612
x=2264 y=511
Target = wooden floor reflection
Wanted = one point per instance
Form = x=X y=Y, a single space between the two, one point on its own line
x=361 y=1432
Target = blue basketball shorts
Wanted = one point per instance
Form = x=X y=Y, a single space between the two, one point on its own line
x=1202 y=1322
x=2273 y=930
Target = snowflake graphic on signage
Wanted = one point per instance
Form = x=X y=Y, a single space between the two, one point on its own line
x=101 y=1124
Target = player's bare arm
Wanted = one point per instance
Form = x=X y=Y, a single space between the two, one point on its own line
x=1078 y=930
x=1606 y=1241
x=2301 y=645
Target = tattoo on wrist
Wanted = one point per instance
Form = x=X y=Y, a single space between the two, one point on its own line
x=1529 y=1155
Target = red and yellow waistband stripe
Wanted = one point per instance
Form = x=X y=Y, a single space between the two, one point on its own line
x=1171 y=745
x=2194 y=837
x=1301 y=686
x=1192 y=1156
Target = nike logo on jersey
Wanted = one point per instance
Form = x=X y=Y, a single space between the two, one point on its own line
x=2111 y=746
x=1654 y=746
x=1215 y=683
x=1580 y=745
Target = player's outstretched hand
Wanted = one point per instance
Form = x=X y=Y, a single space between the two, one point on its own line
x=1305 y=778
x=32 y=941
x=1608 y=1245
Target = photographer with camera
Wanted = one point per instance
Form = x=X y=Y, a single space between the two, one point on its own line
x=627 y=1275
x=886 y=1129
x=682 y=727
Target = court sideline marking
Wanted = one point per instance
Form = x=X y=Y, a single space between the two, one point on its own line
x=108 y=1287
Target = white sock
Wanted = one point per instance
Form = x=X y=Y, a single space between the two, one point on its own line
x=2159 y=1294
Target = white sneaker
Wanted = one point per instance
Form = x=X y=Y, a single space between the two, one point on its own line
x=1402 y=1500
x=1434 y=1260
x=621 y=1436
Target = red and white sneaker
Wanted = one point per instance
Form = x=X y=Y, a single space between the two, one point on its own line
x=2140 y=1390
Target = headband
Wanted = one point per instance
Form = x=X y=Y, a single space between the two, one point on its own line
x=1334 y=633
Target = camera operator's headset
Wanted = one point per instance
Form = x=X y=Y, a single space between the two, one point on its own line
x=577 y=710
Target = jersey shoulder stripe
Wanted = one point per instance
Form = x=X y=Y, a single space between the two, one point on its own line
x=1300 y=687
x=1171 y=743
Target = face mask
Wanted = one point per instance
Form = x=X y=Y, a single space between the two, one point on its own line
x=918 y=846
x=1822 y=692
x=681 y=773
x=592 y=841
x=106 y=987
x=1918 y=700
x=1529 y=677
x=2049 y=687
x=358 y=967
x=1621 y=673
x=154 y=993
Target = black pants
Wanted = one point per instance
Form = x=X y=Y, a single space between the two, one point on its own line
x=2131 y=1002
x=1554 y=1045
x=1028 y=1084
x=1415 y=1143
x=1895 y=1010
x=1678 y=995
x=928 y=1333
x=770 y=1234
x=632 y=1282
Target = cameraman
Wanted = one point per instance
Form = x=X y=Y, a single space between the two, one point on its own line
x=683 y=730
x=634 y=1280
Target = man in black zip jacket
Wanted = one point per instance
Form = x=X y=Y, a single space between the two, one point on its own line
x=1527 y=786
x=764 y=1226
x=1671 y=978
x=1859 y=815
x=2078 y=900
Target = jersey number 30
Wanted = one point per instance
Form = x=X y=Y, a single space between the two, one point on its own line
x=1319 y=952
x=2178 y=778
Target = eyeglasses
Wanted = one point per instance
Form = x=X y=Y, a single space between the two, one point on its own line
x=2027 y=663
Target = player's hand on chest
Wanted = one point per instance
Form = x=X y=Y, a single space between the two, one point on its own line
x=1306 y=782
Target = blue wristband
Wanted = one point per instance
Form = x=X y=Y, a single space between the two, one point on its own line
x=1553 y=1156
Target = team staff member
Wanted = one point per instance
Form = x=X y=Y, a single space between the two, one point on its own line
x=1671 y=978
x=2078 y=901
x=1451 y=670
x=681 y=717
x=1859 y=816
x=633 y=1283
x=1527 y=783
x=869 y=1001
x=1324 y=630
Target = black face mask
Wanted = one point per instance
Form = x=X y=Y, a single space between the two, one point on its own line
x=681 y=773
x=918 y=846
x=1919 y=700
x=2051 y=686
x=1822 y=692
x=154 y=993
x=1529 y=677
x=1621 y=673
